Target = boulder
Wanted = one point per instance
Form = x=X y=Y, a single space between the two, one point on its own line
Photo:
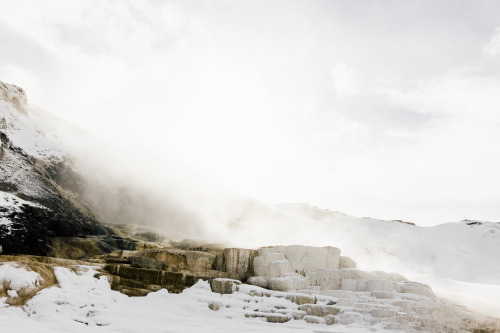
x=300 y=299
x=224 y=286
x=214 y=306
x=319 y=310
x=313 y=320
x=277 y=318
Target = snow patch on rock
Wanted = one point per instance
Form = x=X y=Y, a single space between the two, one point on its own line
x=10 y=204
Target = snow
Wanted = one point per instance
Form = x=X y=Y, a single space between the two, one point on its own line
x=34 y=131
x=15 y=278
x=83 y=303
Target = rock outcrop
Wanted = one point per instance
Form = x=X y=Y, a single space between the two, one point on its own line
x=224 y=286
x=238 y=262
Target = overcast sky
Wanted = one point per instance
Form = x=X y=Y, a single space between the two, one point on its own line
x=388 y=109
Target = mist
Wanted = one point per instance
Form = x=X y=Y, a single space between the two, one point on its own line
x=382 y=111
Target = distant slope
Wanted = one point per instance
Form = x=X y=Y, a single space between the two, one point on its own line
x=459 y=260
x=465 y=251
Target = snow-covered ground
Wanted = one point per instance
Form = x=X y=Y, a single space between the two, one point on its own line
x=83 y=303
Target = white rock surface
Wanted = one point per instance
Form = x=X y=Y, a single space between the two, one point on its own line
x=293 y=262
x=346 y=262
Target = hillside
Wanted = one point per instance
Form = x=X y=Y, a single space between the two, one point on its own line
x=35 y=172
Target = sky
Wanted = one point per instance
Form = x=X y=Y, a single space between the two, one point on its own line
x=387 y=109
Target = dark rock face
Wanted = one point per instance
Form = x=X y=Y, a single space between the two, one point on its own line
x=132 y=278
x=33 y=229
x=149 y=263
x=135 y=272
x=238 y=262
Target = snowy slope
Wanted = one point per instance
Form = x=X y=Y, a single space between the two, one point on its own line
x=27 y=127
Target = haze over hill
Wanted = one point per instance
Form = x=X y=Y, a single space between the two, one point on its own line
x=370 y=109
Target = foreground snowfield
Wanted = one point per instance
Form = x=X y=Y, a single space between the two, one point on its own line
x=83 y=303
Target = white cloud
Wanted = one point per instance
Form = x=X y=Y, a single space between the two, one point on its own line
x=246 y=95
x=493 y=47
x=344 y=80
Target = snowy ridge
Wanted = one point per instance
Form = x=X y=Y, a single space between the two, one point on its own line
x=28 y=128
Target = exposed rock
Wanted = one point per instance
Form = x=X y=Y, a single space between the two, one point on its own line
x=382 y=294
x=214 y=306
x=239 y=262
x=258 y=281
x=330 y=320
x=313 y=320
x=319 y=310
x=289 y=282
x=279 y=260
x=277 y=318
x=194 y=261
x=346 y=262
x=416 y=288
x=297 y=315
x=14 y=95
x=271 y=264
x=141 y=277
x=224 y=286
x=145 y=262
x=300 y=299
